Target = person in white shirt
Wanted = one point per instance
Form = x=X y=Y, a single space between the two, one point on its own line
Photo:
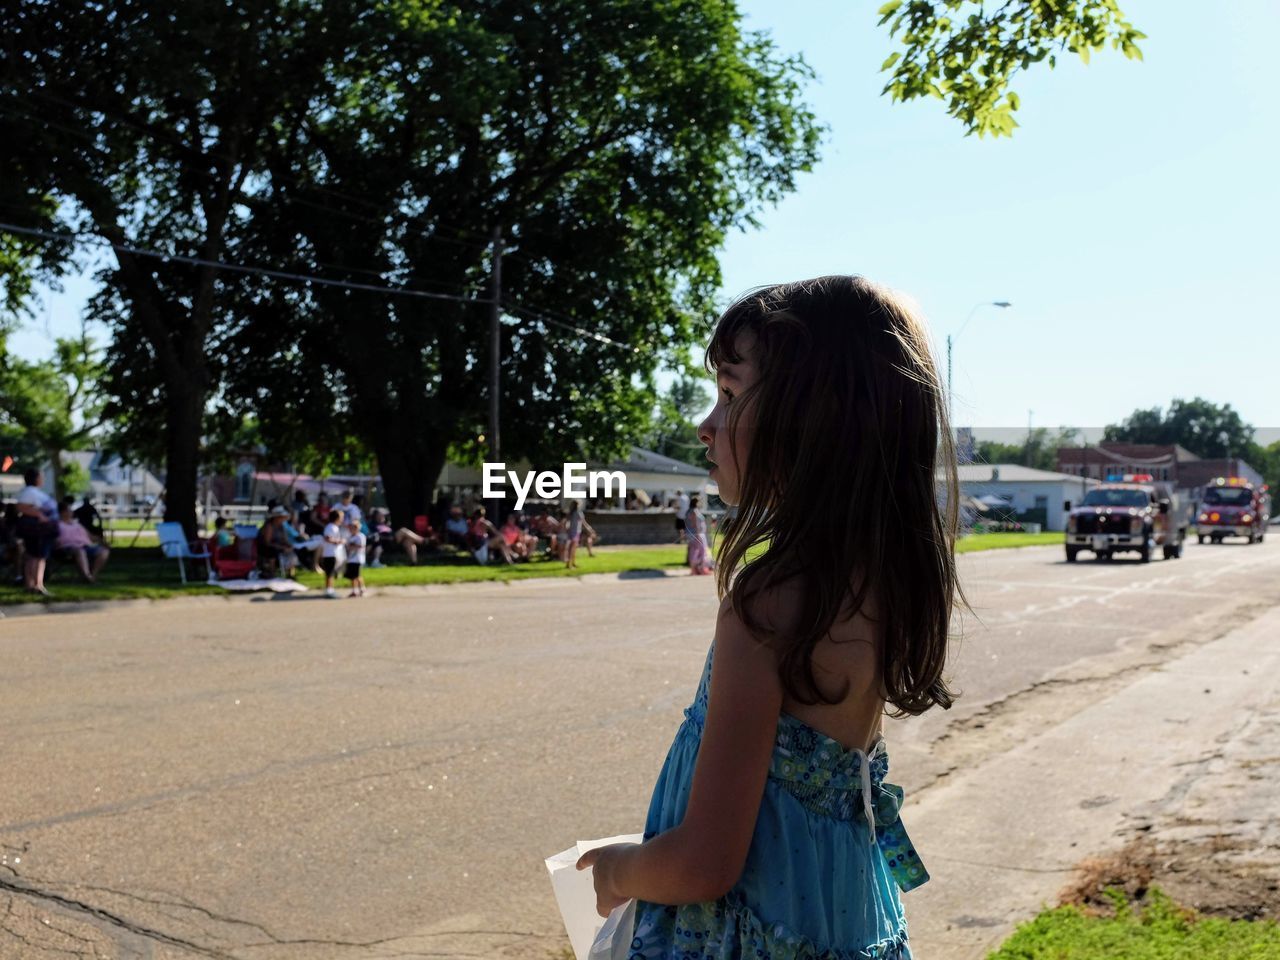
x=38 y=527
x=682 y=511
x=333 y=540
x=350 y=509
x=355 y=559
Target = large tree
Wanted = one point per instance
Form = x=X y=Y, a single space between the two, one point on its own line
x=611 y=145
x=140 y=124
x=1205 y=428
x=54 y=406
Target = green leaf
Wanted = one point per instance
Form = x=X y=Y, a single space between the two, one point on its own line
x=887 y=9
x=890 y=61
x=966 y=54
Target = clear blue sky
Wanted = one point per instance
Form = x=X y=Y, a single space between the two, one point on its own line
x=1131 y=219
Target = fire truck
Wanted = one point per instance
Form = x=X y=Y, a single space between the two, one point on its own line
x=1130 y=513
x=1233 y=507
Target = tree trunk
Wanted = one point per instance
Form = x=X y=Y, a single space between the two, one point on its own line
x=410 y=464
x=184 y=422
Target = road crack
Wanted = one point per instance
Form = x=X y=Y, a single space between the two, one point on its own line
x=115 y=920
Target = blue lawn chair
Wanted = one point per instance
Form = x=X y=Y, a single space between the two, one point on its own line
x=175 y=545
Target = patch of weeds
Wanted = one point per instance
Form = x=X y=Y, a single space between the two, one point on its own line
x=1152 y=928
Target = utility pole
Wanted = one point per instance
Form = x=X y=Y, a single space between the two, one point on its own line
x=495 y=344
x=949 y=376
x=1028 y=444
x=978 y=306
x=495 y=355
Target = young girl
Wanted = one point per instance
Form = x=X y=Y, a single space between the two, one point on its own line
x=573 y=533
x=771 y=831
x=695 y=526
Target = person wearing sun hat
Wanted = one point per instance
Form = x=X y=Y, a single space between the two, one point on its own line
x=275 y=552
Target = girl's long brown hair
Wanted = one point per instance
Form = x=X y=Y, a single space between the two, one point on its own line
x=850 y=484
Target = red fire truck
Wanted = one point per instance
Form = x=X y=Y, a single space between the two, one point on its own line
x=1233 y=507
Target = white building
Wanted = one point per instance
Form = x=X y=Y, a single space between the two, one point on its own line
x=1025 y=488
x=113 y=482
x=660 y=477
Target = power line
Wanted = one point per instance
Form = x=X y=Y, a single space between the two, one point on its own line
x=303 y=278
x=237 y=267
x=581 y=331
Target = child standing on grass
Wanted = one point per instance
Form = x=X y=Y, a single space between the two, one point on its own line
x=333 y=539
x=699 y=552
x=572 y=534
x=355 y=558
x=771 y=831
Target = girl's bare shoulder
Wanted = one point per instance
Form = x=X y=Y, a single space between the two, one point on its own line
x=846 y=657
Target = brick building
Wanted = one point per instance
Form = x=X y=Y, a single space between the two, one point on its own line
x=1115 y=459
x=1170 y=462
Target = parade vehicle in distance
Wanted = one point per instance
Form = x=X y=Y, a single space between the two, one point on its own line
x=1131 y=513
x=1234 y=507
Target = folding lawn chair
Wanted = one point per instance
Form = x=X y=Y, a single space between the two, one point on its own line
x=175 y=545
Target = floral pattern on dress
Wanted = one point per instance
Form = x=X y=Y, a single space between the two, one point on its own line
x=827 y=780
x=727 y=928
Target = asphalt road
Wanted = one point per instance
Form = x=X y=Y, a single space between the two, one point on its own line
x=301 y=778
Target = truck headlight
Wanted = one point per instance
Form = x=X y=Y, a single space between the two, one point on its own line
x=1247 y=518
x=1071 y=524
x=1135 y=525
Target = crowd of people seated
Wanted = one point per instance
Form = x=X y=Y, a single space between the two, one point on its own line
x=36 y=529
x=306 y=535
x=317 y=536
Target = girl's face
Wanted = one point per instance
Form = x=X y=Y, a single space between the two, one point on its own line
x=731 y=380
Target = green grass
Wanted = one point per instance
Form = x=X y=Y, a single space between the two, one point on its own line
x=1153 y=929
x=130 y=574
x=457 y=568
x=131 y=523
x=1001 y=541
x=139 y=572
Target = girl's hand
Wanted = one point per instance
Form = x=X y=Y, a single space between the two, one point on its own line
x=603 y=860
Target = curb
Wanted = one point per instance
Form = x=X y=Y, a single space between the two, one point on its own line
x=20 y=610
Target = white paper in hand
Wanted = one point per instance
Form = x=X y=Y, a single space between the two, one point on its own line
x=613 y=941
x=575 y=892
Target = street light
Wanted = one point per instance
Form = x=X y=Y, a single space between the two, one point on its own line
x=976 y=307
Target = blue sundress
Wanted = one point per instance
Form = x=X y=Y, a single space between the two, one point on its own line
x=826 y=864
